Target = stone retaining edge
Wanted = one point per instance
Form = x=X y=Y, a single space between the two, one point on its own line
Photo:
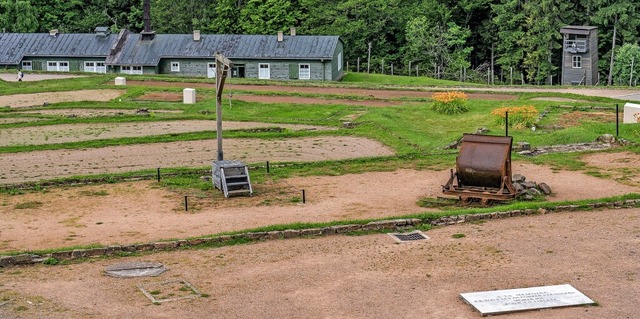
x=27 y=259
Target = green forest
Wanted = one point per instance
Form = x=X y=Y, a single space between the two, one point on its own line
x=505 y=41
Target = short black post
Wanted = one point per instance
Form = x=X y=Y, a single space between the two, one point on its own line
x=304 y=200
x=186 y=203
x=506 y=122
x=267 y=167
x=158 y=174
x=617 y=121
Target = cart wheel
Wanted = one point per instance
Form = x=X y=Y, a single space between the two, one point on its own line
x=486 y=202
x=466 y=201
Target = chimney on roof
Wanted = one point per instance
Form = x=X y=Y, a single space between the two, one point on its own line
x=53 y=33
x=101 y=31
x=293 y=31
x=147 y=34
x=280 y=36
x=196 y=35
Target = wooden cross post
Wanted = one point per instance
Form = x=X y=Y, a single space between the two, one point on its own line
x=223 y=65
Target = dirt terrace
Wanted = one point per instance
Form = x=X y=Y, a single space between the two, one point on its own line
x=139 y=212
x=88 y=112
x=32 y=166
x=378 y=94
x=38 y=99
x=177 y=97
x=29 y=77
x=65 y=133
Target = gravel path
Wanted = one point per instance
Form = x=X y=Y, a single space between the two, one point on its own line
x=360 y=276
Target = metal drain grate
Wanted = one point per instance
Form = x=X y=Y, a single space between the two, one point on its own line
x=408 y=237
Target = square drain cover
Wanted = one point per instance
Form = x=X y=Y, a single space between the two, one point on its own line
x=409 y=237
x=169 y=291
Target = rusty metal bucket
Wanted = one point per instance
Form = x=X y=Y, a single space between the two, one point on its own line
x=483 y=170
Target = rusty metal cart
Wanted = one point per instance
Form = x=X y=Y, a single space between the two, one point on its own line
x=483 y=170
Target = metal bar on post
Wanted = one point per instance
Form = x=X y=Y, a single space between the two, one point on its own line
x=617 y=121
x=506 y=122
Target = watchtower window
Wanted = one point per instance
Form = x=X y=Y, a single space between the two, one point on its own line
x=576 y=62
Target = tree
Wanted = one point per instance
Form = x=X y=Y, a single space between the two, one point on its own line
x=18 y=16
x=509 y=18
x=268 y=16
x=626 y=68
x=438 y=41
x=623 y=16
x=541 y=39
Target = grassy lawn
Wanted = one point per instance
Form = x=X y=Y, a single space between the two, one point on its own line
x=417 y=133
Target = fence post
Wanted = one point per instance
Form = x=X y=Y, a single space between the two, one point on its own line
x=304 y=200
x=506 y=122
x=186 y=203
x=617 y=121
x=158 y=174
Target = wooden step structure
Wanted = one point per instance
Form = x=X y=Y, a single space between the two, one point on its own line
x=232 y=178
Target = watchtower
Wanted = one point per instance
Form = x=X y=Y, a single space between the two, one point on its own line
x=579 y=55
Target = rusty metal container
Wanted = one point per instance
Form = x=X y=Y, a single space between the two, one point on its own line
x=483 y=169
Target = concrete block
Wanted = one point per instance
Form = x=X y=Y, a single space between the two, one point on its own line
x=121 y=81
x=189 y=96
x=631 y=113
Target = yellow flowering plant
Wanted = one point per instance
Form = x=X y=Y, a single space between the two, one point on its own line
x=519 y=116
x=453 y=102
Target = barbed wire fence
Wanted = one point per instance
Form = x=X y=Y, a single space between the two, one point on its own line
x=481 y=73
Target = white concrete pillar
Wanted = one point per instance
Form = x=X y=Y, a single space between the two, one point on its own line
x=189 y=96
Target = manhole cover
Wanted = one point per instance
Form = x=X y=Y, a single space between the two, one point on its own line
x=135 y=269
x=408 y=237
x=171 y=290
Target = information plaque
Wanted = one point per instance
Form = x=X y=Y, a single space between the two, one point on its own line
x=512 y=300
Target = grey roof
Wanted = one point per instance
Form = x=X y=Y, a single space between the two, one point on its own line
x=138 y=52
x=577 y=29
x=15 y=46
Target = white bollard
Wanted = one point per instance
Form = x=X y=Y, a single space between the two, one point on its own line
x=189 y=96
x=631 y=113
x=121 y=81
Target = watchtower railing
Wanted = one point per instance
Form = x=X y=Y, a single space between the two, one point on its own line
x=576 y=46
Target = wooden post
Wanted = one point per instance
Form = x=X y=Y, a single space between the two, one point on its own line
x=391 y=68
x=382 y=63
x=417 y=71
x=223 y=65
x=369 y=58
x=358 y=69
x=347 y=66
x=511 y=75
x=409 y=69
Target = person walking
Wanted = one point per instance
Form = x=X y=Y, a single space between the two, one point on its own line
x=20 y=75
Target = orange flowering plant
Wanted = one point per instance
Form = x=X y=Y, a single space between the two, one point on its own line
x=453 y=102
x=519 y=116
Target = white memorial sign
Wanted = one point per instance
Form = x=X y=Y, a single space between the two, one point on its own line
x=631 y=113
x=511 y=300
